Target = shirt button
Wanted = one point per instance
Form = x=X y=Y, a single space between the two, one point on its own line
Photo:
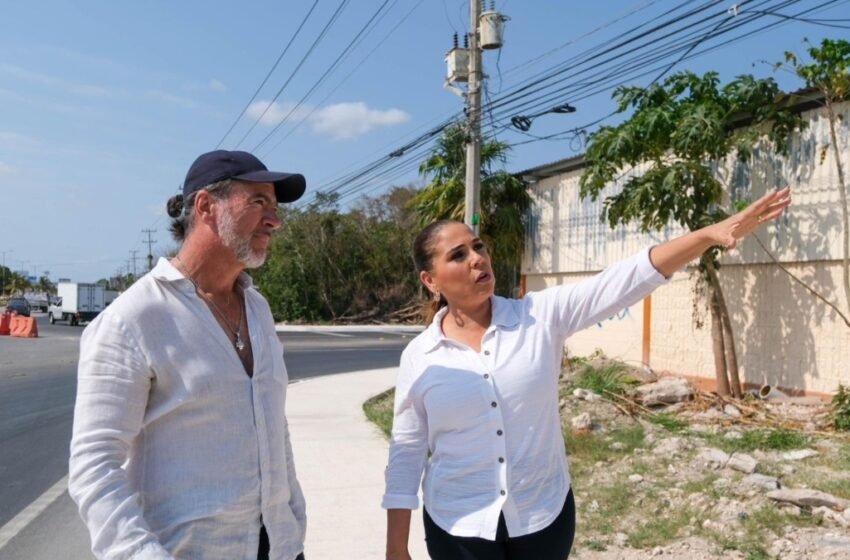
x=499 y=432
x=502 y=492
x=493 y=404
x=486 y=376
x=486 y=352
x=501 y=459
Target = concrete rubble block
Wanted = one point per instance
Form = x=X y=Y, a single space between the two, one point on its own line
x=586 y=395
x=763 y=481
x=830 y=515
x=668 y=390
x=805 y=497
x=712 y=458
x=731 y=411
x=582 y=422
x=670 y=446
x=799 y=454
x=743 y=463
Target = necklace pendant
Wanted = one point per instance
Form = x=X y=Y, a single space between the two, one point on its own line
x=238 y=343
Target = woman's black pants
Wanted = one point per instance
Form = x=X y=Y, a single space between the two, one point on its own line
x=552 y=543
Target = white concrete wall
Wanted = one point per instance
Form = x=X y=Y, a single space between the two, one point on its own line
x=785 y=336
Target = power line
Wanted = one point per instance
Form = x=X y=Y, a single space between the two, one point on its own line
x=669 y=44
x=347 y=76
x=297 y=68
x=324 y=76
x=268 y=74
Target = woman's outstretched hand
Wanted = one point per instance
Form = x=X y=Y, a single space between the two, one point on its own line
x=767 y=208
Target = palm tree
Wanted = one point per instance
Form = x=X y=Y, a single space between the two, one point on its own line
x=18 y=284
x=45 y=286
x=504 y=199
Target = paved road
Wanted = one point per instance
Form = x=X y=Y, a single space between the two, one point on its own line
x=37 y=387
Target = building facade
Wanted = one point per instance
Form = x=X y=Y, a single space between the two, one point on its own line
x=784 y=336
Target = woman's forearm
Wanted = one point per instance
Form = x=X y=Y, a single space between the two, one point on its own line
x=398 y=533
x=673 y=255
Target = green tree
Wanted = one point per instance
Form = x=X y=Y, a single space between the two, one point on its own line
x=45 y=286
x=504 y=199
x=18 y=284
x=328 y=265
x=829 y=72
x=5 y=275
x=678 y=129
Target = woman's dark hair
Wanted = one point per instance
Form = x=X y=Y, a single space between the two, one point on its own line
x=423 y=259
x=183 y=211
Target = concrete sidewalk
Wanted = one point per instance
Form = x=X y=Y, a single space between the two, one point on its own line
x=340 y=458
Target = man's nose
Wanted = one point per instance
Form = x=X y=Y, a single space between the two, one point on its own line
x=272 y=220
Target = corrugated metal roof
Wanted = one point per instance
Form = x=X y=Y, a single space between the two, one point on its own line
x=800 y=100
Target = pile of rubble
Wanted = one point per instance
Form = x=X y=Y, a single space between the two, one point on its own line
x=742 y=485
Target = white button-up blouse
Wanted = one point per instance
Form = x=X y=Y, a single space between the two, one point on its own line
x=490 y=419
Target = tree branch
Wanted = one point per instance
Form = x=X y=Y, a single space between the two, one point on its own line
x=806 y=286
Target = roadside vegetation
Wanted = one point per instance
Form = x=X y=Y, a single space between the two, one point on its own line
x=644 y=487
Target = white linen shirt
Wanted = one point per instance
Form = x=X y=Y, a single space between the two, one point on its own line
x=176 y=452
x=490 y=419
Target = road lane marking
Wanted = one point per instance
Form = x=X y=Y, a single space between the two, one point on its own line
x=25 y=517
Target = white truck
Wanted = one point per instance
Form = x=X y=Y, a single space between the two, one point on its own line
x=76 y=302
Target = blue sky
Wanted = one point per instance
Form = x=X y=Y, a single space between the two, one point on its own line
x=103 y=105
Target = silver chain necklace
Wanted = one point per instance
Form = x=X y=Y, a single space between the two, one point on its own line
x=240 y=346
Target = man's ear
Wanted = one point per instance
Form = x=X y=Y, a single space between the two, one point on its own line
x=203 y=207
x=426 y=279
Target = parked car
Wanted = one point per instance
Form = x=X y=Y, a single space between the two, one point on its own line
x=19 y=306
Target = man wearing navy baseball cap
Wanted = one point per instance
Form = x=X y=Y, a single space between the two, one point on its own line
x=181 y=446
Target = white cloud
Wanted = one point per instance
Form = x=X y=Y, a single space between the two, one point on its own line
x=75 y=88
x=346 y=121
x=6 y=169
x=216 y=85
x=184 y=102
x=276 y=112
x=16 y=139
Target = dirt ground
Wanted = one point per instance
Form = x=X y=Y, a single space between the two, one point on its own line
x=694 y=480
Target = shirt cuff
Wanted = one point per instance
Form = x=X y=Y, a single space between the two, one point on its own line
x=400 y=501
x=152 y=551
x=649 y=272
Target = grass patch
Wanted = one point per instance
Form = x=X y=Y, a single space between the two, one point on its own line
x=839 y=488
x=668 y=421
x=379 y=410
x=586 y=449
x=610 y=378
x=660 y=530
x=844 y=457
x=763 y=526
x=778 y=440
x=595 y=545
x=614 y=501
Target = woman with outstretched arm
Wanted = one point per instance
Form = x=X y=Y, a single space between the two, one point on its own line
x=478 y=390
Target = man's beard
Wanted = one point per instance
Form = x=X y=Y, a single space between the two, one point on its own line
x=240 y=245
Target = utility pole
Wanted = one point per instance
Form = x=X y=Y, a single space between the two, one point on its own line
x=133 y=258
x=150 y=242
x=472 y=204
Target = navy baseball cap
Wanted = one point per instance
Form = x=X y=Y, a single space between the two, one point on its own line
x=219 y=165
